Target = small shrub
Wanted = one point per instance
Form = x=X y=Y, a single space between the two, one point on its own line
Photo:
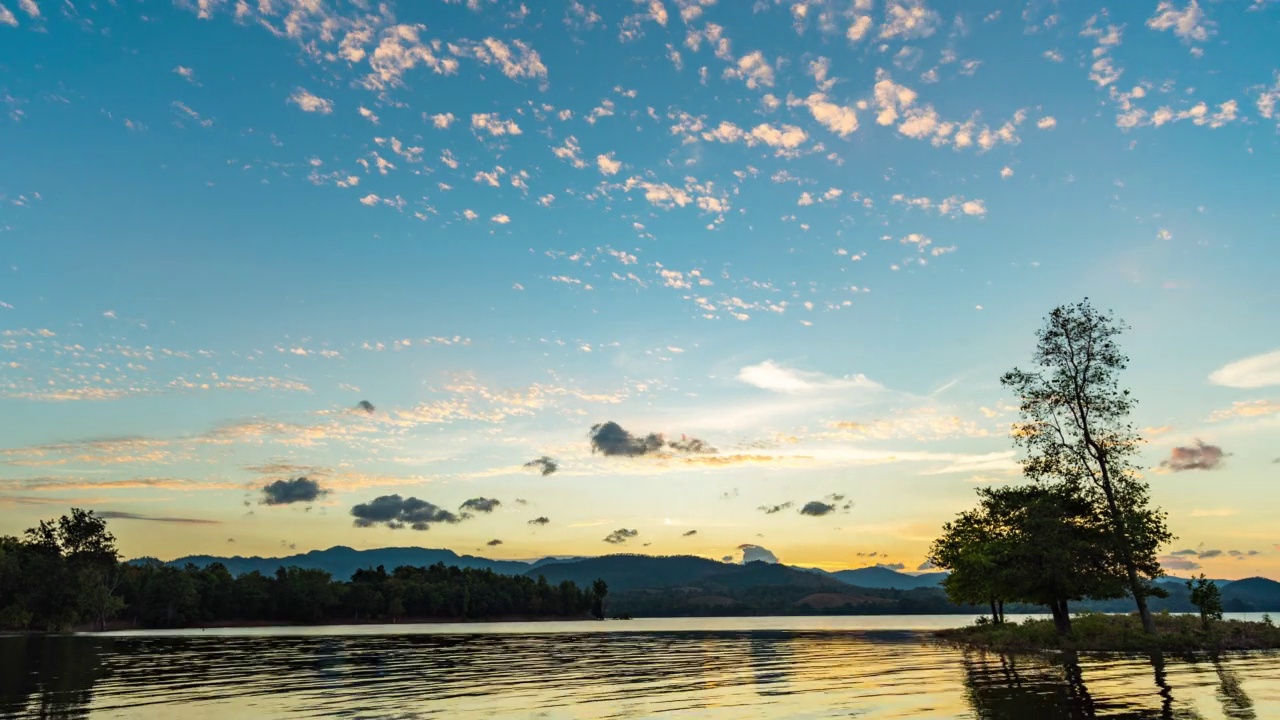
x=1206 y=596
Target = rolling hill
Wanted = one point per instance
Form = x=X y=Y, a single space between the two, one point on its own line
x=634 y=572
x=878 y=577
x=342 y=562
x=1255 y=594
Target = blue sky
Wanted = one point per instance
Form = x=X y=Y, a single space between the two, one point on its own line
x=811 y=234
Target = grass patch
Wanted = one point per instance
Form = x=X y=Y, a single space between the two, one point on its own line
x=1123 y=633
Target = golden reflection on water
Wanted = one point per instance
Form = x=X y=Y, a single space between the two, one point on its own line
x=713 y=674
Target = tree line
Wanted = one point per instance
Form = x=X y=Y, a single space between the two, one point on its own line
x=1084 y=527
x=67 y=573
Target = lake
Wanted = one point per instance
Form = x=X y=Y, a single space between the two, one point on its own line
x=873 y=668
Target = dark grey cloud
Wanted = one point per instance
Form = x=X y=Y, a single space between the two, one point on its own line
x=481 y=504
x=521 y=501
x=1170 y=562
x=729 y=494
x=873 y=553
x=544 y=465
x=891 y=566
x=620 y=536
x=817 y=508
x=774 y=509
x=1187 y=551
x=692 y=445
x=1253 y=552
x=1200 y=456
x=689 y=533
x=1206 y=554
x=118 y=515
x=288 y=492
x=609 y=438
x=397 y=512
x=366 y=407
x=926 y=565
x=540 y=520
x=494 y=542
x=727 y=558
x=755 y=553
x=839 y=501
x=1234 y=553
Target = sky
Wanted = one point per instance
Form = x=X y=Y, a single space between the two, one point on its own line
x=278 y=275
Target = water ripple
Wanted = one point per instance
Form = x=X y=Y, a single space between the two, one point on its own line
x=737 y=673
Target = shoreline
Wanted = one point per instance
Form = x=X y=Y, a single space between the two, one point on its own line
x=1116 y=633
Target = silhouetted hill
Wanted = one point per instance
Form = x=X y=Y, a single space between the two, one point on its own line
x=635 y=572
x=878 y=577
x=341 y=562
x=1255 y=594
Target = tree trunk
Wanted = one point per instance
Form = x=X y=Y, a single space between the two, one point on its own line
x=1061 y=617
x=1126 y=555
x=1000 y=606
x=995 y=616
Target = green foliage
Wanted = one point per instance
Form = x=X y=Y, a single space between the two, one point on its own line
x=1076 y=431
x=1034 y=544
x=66 y=573
x=1208 y=599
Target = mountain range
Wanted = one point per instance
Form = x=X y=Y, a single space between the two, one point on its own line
x=341 y=562
x=690 y=585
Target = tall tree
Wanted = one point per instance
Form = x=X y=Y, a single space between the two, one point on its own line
x=1075 y=429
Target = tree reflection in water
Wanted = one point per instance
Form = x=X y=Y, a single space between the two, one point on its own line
x=1000 y=687
x=1235 y=703
x=47 y=676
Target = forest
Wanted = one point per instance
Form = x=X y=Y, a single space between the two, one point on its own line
x=66 y=574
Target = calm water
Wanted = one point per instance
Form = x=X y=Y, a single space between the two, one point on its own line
x=698 y=668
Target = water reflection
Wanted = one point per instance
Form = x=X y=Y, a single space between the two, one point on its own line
x=47 y=677
x=723 y=674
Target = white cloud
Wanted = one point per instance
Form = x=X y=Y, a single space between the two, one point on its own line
x=570 y=151
x=310 y=102
x=187 y=74
x=1047 y=123
x=1164 y=234
x=7 y=17
x=518 y=63
x=859 y=29
x=908 y=19
x=442 y=121
x=753 y=69
x=608 y=165
x=1252 y=372
x=494 y=125
x=771 y=376
x=30 y=7
x=399 y=51
x=1188 y=23
x=1006 y=172
x=890 y=99
x=367 y=114
x=1269 y=100
x=839 y=119
x=500 y=219
x=787 y=137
